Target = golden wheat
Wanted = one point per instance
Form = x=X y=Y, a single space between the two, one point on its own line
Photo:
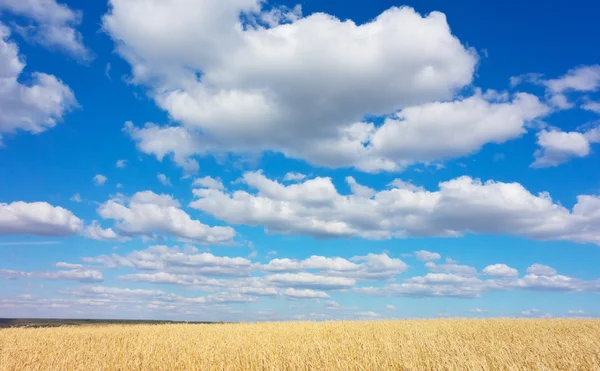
x=452 y=344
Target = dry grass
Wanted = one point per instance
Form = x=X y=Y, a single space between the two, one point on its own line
x=379 y=345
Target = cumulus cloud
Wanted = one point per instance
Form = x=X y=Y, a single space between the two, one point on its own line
x=591 y=106
x=500 y=270
x=248 y=85
x=358 y=189
x=460 y=285
x=175 y=142
x=209 y=182
x=147 y=212
x=310 y=281
x=176 y=262
x=99 y=180
x=582 y=79
x=121 y=164
x=557 y=147
x=52 y=25
x=68 y=265
x=80 y=275
x=96 y=232
x=37 y=218
x=292 y=177
x=33 y=107
x=305 y=294
x=424 y=255
x=541 y=270
x=462 y=205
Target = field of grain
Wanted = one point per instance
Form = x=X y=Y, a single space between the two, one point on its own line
x=448 y=344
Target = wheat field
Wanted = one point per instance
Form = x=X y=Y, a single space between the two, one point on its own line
x=444 y=344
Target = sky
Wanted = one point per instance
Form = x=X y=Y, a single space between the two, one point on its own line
x=250 y=160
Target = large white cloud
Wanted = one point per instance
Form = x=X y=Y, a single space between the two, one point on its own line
x=462 y=205
x=304 y=86
x=54 y=25
x=37 y=218
x=34 y=107
x=147 y=212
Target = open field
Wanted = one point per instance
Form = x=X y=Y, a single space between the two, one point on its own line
x=448 y=344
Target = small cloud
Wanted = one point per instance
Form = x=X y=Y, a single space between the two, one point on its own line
x=535 y=313
x=478 y=310
x=164 y=180
x=253 y=254
x=498 y=157
x=119 y=185
x=390 y=307
x=368 y=314
x=292 y=177
x=76 y=198
x=577 y=312
x=100 y=179
x=121 y=164
x=209 y=182
x=107 y=71
x=272 y=253
x=424 y=255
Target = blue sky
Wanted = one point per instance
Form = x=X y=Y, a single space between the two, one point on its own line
x=319 y=160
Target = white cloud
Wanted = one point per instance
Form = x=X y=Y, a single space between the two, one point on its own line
x=166 y=141
x=457 y=284
x=535 y=313
x=461 y=205
x=162 y=178
x=53 y=25
x=368 y=314
x=68 y=265
x=576 y=312
x=591 y=106
x=209 y=182
x=76 y=198
x=96 y=232
x=558 y=147
x=401 y=184
x=560 y=101
x=34 y=107
x=258 y=81
x=477 y=310
x=146 y=213
x=358 y=189
x=584 y=78
x=80 y=275
x=100 y=179
x=370 y=267
x=500 y=270
x=424 y=255
x=314 y=262
x=121 y=164
x=390 y=307
x=541 y=270
x=425 y=133
x=305 y=294
x=37 y=218
x=292 y=177
x=310 y=281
